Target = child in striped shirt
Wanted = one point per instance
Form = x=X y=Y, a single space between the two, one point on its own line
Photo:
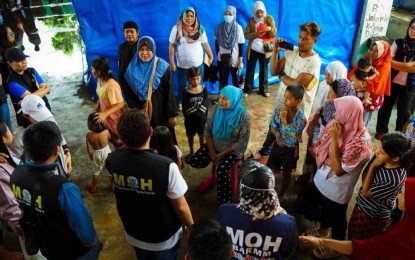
x=385 y=175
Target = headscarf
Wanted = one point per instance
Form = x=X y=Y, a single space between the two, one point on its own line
x=342 y=87
x=259 y=5
x=381 y=84
x=227 y=33
x=258 y=196
x=226 y=121
x=337 y=70
x=396 y=243
x=192 y=32
x=354 y=142
x=138 y=73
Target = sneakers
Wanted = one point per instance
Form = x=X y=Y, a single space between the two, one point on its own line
x=265 y=94
x=379 y=136
x=315 y=232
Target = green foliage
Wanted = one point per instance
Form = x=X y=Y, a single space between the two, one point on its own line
x=64 y=41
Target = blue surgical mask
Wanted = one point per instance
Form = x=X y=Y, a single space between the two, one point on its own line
x=227 y=18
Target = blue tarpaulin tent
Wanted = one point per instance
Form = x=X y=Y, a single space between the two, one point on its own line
x=101 y=23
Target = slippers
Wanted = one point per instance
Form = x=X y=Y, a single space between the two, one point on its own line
x=323 y=252
x=314 y=232
x=91 y=188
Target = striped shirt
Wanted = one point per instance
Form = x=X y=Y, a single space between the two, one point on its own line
x=384 y=190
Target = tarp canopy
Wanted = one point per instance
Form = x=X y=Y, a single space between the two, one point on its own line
x=101 y=23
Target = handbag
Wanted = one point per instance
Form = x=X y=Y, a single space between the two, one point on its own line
x=308 y=204
x=226 y=60
x=148 y=106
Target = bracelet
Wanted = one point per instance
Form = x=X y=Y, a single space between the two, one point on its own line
x=66 y=151
x=282 y=73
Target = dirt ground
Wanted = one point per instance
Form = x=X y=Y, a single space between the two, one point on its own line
x=71 y=105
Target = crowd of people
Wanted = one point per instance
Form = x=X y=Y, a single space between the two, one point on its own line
x=137 y=114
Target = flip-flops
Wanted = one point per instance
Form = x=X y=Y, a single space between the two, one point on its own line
x=91 y=188
x=323 y=252
x=314 y=232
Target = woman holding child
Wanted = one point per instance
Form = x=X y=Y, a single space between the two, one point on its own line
x=380 y=86
x=227 y=133
x=341 y=152
x=150 y=79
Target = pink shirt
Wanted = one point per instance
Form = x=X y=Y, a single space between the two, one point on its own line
x=9 y=207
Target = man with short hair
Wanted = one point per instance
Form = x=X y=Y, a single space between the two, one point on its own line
x=23 y=81
x=126 y=52
x=299 y=66
x=151 y=182
x=209 y=240
x=54 y=217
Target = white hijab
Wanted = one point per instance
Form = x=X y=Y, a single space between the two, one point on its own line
x=259 y=5
x=337 y=70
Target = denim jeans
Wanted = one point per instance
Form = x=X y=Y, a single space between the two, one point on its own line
x=169 y=254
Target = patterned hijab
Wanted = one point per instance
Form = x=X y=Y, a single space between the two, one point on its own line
x=190 y=32
x=258 y=196
x=354 y=142
x=138 y=73
x=259 y=5
x=227 y=33
x=226 y=121
x=341 y=87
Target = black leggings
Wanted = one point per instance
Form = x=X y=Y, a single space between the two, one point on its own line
x=333 y=215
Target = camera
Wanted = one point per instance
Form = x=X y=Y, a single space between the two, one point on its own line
x=286 y=45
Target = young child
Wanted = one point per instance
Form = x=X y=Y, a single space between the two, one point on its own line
x=163 y=144
x=195 y=107
x=287 y=124
x=97 y=147
x=363 y=74
x=386 y=173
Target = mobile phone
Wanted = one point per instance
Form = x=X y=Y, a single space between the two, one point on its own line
x=286 y=45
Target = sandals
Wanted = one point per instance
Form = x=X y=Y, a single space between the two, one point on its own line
x=188 y=158
x=323 y=252
x=91 y=188
x=314 y=232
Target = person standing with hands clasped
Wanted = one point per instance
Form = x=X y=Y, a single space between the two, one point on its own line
x=260 y=31
x=229 y=45
x=287 y=125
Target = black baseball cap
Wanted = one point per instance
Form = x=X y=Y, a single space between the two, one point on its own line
x=15 y=54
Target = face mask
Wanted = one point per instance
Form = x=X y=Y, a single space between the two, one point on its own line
x=227 y=18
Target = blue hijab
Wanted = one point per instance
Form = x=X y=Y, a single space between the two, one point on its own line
x=226 y=121
x=138 y=73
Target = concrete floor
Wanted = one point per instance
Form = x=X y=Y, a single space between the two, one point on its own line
x=71 y=106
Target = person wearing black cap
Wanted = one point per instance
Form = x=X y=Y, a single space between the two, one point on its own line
x=23 y=80
x=126 y=52
x=258 y=225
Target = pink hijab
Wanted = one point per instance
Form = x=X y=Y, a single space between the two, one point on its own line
x=354 y=143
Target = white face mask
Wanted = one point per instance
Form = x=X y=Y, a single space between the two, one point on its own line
x=227 y=18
